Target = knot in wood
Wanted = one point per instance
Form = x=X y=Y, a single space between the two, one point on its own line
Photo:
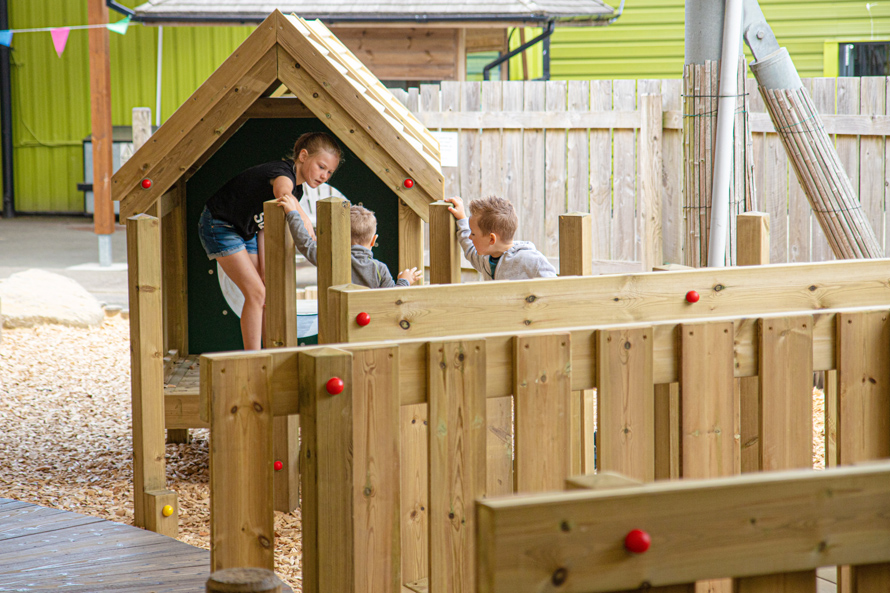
x=718 y=288
x=234 y=409
x=627 y=345
x=367 y=491
x=257 y=407
x=527 y=322
x=531 y=298
x=404 y=324
x=559 y=576
x=264 y=541
x=564 y=526
x=399 y=302
x=460 y=357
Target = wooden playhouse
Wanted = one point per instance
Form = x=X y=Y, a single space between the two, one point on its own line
x=232 y=122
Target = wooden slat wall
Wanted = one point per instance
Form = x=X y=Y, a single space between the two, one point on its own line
x=558 y=165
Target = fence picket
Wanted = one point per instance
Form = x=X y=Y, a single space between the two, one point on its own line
x=871 y=150
x=450 y=101
x=601 y=173
x=624 y=176
x=470 y=141
x=577 y=150
x=492 y=175
x=555 y=168
x=533 y=179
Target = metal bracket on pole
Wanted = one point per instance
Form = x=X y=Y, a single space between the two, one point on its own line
x=772 y=67
x=757 y=33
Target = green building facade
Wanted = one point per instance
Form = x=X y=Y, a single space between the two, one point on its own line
x=51 y=96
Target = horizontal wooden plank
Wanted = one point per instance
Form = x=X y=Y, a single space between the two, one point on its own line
x=490 y=307
x=740 y=526
x=864 y=125
x=499 y=366
x=183 y=411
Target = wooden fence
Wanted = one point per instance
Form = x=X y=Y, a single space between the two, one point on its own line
x=770 y=531
x=394 y=458
x=564 y=146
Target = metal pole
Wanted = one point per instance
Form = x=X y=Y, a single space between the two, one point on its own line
x=158 y=86
x=723 y=144
x=6 y=119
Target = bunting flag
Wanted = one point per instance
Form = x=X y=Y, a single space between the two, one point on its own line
x=60 y=34
x=60 y=39
x=119 y=27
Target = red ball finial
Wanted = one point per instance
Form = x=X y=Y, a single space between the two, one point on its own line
x=363 y=319
x=278 y=466
x=146 y=183
x=692 y=296
x=334 y=385
x=409 y=183
x=637 y=541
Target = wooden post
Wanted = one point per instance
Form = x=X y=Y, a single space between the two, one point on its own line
x=281 y=332
x=410 y=239
x=752 y=244
x=157 y=504
x=241 y=514
x=575 y=244
x=752 y=249
x=576 y=259
x=444 y=248
x=334 y=259
x=244 y=580
x=651 y=250
x=175 y=282
x=141 y=127
x=281 y=282
x=100 y=115
x=147 y=359
x=327 y=478
x=457 y=459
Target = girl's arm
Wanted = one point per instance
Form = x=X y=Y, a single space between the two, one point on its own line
x=283 y=186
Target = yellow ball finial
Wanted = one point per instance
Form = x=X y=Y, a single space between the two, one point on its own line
x=167 y=510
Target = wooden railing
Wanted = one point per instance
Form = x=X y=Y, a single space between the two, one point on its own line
x=770 y=531
x=393 y=462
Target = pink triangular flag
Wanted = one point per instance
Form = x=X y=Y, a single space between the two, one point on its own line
x=60 y=38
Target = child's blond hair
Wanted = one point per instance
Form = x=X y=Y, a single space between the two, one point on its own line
x=364 y=224
x=495 y=215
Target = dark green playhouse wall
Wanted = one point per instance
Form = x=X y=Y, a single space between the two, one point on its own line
x=259 y=141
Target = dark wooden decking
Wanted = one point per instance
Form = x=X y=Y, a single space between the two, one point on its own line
x=43 y=549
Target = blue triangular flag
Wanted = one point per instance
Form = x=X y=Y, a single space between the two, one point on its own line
x=119 y=27
x=6 y=38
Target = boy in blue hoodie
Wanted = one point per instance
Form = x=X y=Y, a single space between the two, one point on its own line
x=487 y=240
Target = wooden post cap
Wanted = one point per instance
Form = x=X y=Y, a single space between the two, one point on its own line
x=244 y=580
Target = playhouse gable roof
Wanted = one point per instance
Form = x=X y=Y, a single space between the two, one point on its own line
x=326 y=78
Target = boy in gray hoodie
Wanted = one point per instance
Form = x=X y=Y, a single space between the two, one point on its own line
x=487 y=240
x=366 y=271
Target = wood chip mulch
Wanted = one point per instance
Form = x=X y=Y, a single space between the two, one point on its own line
x=66 y=435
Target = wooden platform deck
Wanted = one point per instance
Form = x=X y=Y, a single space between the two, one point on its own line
x=43 y=549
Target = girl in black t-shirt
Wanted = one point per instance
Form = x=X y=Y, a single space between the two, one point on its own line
x=231 y=225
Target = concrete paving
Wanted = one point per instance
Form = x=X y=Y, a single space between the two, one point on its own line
x=67 y=246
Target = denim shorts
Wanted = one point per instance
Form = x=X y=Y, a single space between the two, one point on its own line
x=219 y=237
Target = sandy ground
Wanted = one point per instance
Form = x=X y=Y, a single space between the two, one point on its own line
x=65 y=435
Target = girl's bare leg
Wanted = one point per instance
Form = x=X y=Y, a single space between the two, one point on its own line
x=241 y=267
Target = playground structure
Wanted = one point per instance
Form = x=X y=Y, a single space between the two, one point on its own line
x=389 y=155
x=669 y=405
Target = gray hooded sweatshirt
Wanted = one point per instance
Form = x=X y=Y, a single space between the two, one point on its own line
x=521 y=262
x=366 y=271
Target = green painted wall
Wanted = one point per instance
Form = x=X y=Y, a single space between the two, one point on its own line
x=51 y=95
x=647 y=40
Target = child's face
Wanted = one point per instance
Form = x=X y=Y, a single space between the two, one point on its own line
x=483 y=242
x=318 y=168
